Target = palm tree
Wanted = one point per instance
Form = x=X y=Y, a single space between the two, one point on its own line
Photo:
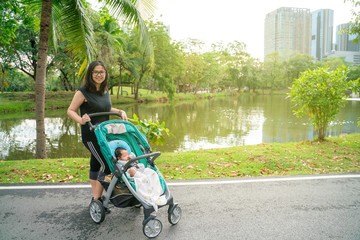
x=68 y=19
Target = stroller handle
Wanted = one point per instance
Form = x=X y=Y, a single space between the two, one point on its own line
x=153 y=156
x=92 y=126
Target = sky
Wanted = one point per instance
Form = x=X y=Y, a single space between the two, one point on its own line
x=212 y=21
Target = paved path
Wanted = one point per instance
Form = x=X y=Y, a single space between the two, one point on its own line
x=305 y=207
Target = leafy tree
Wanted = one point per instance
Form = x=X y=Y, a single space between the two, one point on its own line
x=9 y=12
x=297 y=64
x=165 y=58
x=20 y=47
x=354 y=73
x=334 y=63
x=236 y=67
x=142 y=60
x=193 y=73
x=69 y=19
x=109 y=43
x=355 y=24
x=320 y=94
x=254 y=67
x=272 y=67
x=212 y=70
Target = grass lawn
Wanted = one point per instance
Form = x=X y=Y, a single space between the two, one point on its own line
x=335 y=155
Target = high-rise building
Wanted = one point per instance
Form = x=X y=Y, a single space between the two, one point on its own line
x=322 y=33
x=344 y=40
x=287 y=30
x=345 y=47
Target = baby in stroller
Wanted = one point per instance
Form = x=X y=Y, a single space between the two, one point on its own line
x=146 y=180
x=123 y=190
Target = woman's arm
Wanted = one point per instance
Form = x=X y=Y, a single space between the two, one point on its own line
x=122 y=113
x=75 y=104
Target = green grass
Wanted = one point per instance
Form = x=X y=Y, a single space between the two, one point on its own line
x=20 y=102
x=335 y=155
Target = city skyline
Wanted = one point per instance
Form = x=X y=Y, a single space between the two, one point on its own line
x=231 y=20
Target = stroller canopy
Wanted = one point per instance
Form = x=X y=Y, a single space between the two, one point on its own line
x=118 y=133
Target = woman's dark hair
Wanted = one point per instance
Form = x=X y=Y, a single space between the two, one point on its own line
x=89 y=82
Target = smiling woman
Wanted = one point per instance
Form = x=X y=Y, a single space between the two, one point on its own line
x=93 y=98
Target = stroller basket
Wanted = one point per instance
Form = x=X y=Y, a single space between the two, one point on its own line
x=120 y=196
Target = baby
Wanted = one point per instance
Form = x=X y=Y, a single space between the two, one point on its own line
x=122 y=154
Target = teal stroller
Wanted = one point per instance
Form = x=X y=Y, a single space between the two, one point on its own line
x=120 y=188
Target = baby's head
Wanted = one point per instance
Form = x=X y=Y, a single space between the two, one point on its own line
x=122 y=154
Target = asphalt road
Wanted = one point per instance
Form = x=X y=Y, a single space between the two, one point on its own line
x=301 y=207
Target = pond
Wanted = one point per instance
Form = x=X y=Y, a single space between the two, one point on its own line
x=209 y=123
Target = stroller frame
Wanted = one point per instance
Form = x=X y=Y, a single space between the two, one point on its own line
x=151 y=226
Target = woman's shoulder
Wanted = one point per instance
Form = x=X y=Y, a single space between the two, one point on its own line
x=82 y=89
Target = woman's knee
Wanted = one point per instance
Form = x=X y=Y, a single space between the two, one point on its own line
x=93 y=175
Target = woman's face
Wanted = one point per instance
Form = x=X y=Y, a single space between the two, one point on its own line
x=98 y=75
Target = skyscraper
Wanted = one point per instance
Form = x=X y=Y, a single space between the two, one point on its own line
x=322 y=33
x=345 y=47
x=287 y=30
x=344 y=40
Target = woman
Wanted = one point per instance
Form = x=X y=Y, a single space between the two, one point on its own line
x=93 y=97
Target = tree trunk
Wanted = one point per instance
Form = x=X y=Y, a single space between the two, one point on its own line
x=74 y=78
x=120 y=83
x=41 y=77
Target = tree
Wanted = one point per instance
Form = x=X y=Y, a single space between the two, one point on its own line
x=236 y=66
x=165 y=58
x=253 y=68
x=297 y=64
x=320 y=94
x=333 y=63
x=69 y=17
x=355 y=26
x=272 y=66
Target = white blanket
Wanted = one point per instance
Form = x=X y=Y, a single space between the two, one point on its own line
x=148 y=186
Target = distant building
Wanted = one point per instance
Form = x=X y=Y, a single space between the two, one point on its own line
x=287 y=30
x=322 y=33
x=344 y=40
x=345 y=47
x=350 y=56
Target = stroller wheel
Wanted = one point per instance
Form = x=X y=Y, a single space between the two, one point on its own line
x=152 y=227
x=174 y=214
x=97 y=211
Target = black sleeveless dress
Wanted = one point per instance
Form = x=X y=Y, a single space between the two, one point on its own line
x=94 y=103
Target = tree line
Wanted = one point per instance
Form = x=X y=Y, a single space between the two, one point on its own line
x=164 y=65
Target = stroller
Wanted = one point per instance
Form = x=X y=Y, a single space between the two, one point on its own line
x=120 y=189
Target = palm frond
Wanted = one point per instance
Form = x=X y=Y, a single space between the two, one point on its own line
x=132 y=12
x=75 y=26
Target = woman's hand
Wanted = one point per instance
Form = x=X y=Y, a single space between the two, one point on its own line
x=84 y=119
x=123 y=115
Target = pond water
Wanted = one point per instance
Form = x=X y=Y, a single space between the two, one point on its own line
x=210 y=123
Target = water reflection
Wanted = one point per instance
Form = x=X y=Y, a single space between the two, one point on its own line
x=212 y=123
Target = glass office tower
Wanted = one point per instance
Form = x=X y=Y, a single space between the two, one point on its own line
x=322 y=33
x=344 y=40
x=287 y=30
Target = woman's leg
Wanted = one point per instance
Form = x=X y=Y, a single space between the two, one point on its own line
x=97 y=188
x=97 y=162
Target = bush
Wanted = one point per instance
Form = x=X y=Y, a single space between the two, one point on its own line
x=320 y=94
